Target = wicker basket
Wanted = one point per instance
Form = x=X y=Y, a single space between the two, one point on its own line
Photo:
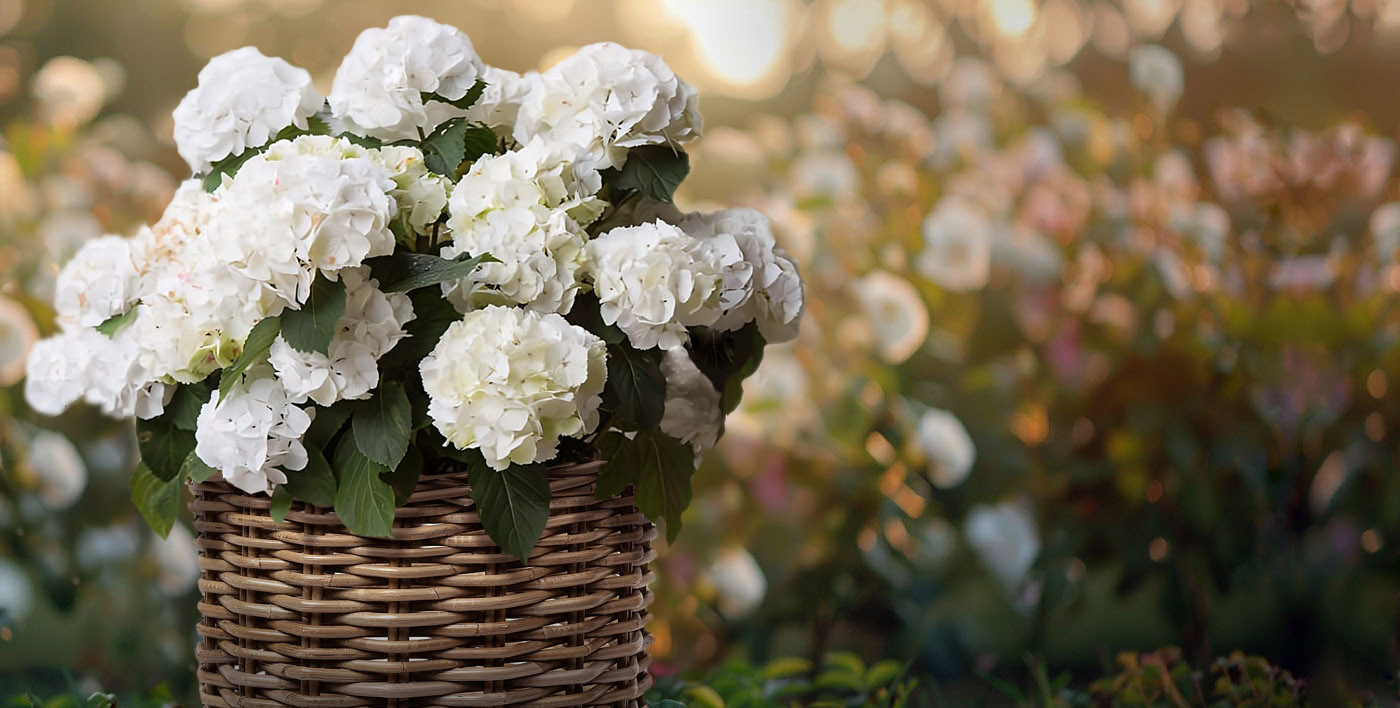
x=306 y=614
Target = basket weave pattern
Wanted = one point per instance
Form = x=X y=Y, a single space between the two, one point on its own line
x=307 y=614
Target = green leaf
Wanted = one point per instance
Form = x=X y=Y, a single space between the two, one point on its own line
x=404 y=477
x=255 y=347
x=314 y=126
x=883 y=673
x=281 y=504
x=405 y=271
x=432 y=315
x=196 y=469
x=513 y=505
x=467 y=100
x=163 y=446
x=621 y=462
x=113 y=324
x=383 y=425
x=586 y=314
x=654 y=170
x=727 y=358
x=665 y=466
x=636 y=388
x=157 y=499
x=227 y=166
x=786 y=667
x=364 y=141
x=185 y=405
x=328 y=422
x=704 y=697
x=364 y=502
x=314 y=483
x=311 y=328
x=455 y=144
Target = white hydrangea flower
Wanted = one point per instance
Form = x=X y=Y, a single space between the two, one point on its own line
x=763 y=285
x=511 y=382
x=105 y=372
x=893 y=313
x=57 y=372
x=372 y=324
x=242 y=101
x=253 y=434
x=378 y=89
x=527 y=208
x=607 y=98
x=194 y=316
x=58 y=468
x=653 y=281
x=100 y=281
x=500 y=102
x=420 y=193
x=177 y=562
x=957 y=246
x=947 y=447
x=296 y=210
x=692 y=414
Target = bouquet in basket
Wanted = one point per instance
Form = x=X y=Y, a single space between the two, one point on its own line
x=441 y=265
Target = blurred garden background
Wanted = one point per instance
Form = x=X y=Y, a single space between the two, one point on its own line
x=1102 y=327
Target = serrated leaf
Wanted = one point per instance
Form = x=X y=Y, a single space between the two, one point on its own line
x=405 y=271
x=163 y=446
x=383 y=425
x=255 y=347
x=281 y=504
x=654 y=170
x=663 y=478
x=478 y=140
x=327 y=422
x=311 y=328
x=115 y=323
x=365 y=141
x=446 y=147
x=196 y=469
x=513 y=505
x=620 y=464
x=157 y=499
x=186 y=403
x=467 y=100
x=314 y=483
x=636 y=389
x=227 y=166
x=314 y=126
x=404 y=477
x=363 y=501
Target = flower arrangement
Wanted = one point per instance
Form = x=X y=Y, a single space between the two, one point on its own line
x=439 y=264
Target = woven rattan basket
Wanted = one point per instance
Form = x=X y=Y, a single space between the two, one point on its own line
x=307 y=614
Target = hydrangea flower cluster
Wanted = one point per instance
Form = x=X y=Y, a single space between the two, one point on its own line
x=439 y=263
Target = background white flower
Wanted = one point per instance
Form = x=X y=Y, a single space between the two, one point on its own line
x=692 y=414
x=957 y=246
x=511 y=382
x=16 y=591
x=527 y=208
x=253 y=434
x=947 y=447
x=894 y=312
x=606 y=98
x=372 y=324
x=1005 y=537
x=763 y=285
x=740 y=585
x=653 y=281
x=378 y=89
x=242 y=101
x=18 y=333
x=1156 y=71
x=58 y=469
x=177 y=561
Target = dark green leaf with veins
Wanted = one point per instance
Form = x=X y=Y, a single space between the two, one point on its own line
x=311 y=328
x=314 y=483
x=383 y=425
x=163 y=446
x=254 y=349
x=406 y=271
x=653 y=170
x=363 y=501
x=636 y=389
x=513 y=504
x=157 y=499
